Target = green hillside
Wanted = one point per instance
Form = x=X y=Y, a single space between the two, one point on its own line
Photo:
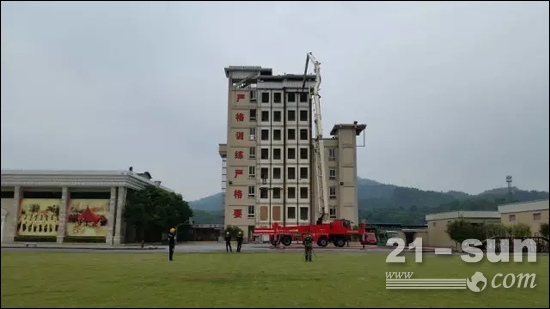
x=387 y=203
x=209 y=203
x=208 y=217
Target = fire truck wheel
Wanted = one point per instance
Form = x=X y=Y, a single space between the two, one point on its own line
x=287 y=241
x=340 y=242
x=322 y=242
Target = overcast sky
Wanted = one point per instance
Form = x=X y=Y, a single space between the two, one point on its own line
x=455 y=94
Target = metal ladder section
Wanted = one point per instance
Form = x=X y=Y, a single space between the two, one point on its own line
x=318 y=144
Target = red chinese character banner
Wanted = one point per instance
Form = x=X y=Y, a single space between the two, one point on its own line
x=238 y=172
x=238 y=194
x=237 y=213
x=239 y=135
x=240 y=96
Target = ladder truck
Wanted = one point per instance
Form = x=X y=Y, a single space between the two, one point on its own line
x=318 y=143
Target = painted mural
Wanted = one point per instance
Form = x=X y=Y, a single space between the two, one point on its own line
x=87 y=218
x=38 y=217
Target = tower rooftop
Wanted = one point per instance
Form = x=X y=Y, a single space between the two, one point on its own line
x=358 y=127
x=247 y=68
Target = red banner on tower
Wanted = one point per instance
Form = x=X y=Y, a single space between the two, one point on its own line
x=239 y=135
x=238 y=172
x=238 y=194
x=237 y=213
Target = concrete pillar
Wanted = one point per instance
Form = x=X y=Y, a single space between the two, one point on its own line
x=111 y=216
x=119 y=224
x=62 y=219
x=16 y=202
x=4 y=213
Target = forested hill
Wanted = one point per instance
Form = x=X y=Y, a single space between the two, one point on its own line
x=386 y=203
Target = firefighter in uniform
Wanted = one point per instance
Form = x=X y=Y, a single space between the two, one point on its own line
x=308 y=246
x=228 y=241
x=171 y=243
x=239 y=240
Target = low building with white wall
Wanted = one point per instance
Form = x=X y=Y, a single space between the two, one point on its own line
x=67 y=206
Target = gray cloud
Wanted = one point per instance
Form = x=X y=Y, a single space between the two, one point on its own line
x=455 y=94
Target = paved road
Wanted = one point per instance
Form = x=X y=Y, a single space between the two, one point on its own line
x=200 y=247
x=194 y=248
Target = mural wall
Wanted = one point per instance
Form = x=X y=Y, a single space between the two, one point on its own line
x=38 y=217
x=87 y=218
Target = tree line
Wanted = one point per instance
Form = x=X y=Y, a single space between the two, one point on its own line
x=384 y=211
x=152 y=211
x=461 y=229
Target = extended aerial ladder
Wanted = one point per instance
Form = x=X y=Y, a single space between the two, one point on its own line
x=318 y=143
x=338 y=231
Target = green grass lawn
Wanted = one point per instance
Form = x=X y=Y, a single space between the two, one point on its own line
x=245 y=280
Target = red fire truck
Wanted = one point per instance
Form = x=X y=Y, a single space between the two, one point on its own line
x=337 y=232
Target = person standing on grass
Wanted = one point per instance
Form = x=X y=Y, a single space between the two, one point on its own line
x=171 y=243
x=228 y=242
x=239 y=240
x=308 y=245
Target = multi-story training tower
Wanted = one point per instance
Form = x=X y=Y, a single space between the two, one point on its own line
x=274 y=168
